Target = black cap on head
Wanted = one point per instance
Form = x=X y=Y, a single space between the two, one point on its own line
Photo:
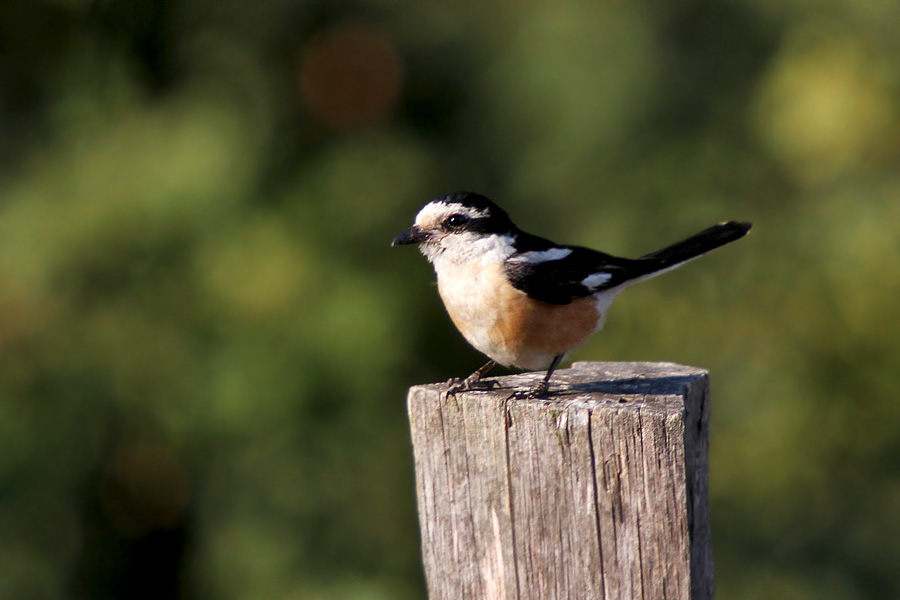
x=472 y=200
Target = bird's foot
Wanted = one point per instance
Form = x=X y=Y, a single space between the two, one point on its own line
x=539 y=391
x=471 y=382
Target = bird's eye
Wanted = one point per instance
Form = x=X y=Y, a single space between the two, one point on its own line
x=456 y=221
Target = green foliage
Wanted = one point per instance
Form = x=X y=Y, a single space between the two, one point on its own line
x=205 y=338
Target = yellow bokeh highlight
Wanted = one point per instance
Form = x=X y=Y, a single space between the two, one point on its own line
x=824 y=107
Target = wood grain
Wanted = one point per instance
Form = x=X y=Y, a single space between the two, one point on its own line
x=598 y=492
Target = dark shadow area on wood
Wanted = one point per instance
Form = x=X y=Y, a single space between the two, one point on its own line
x=672 y=385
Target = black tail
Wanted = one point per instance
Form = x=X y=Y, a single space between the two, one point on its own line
x=701 y=243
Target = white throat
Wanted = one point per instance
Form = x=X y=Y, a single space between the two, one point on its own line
x=456 y=250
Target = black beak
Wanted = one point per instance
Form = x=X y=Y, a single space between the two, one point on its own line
x=413 y=235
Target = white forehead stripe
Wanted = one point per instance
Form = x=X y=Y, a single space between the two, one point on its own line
x=539 y=256
x=595 y=280
x=435 y=212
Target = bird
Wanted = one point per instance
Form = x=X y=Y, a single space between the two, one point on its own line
x=522 y=300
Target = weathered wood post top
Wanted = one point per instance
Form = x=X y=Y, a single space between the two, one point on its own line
x=599 y=491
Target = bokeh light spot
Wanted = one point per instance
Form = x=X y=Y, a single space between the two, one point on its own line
x=350 y=76
x=145 y=488
x=824 y=108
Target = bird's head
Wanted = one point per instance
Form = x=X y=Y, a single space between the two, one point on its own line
x=461 y=222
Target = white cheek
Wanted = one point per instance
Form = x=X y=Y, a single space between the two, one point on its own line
x=431 y=251
x=470 y=248
x=496 y=248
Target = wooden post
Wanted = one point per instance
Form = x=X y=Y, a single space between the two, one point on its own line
x=598 y=492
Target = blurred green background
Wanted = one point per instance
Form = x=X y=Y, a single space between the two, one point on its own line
x=205 y=338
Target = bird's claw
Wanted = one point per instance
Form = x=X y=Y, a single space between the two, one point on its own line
x=457 y=385
x=538 y=391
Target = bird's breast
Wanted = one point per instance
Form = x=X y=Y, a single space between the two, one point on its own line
x=508 y=326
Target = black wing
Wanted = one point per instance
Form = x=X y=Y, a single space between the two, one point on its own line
x=581 y=272
x=545 y=272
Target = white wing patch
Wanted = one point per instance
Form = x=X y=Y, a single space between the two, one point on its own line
x=539 y=256
x=595 y=280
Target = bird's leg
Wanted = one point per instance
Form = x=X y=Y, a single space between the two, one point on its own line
x=472 y=380
x=543 y=386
